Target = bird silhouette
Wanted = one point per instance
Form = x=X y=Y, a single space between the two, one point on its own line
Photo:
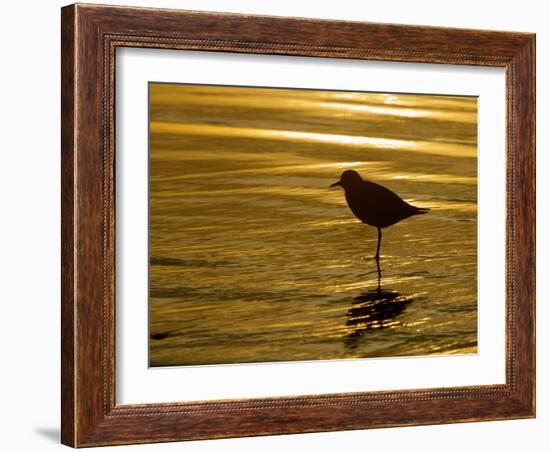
x=375 y=205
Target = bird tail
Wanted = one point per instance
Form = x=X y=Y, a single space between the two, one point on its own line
x=422 y=210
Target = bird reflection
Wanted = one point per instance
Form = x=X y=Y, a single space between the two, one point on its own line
x=375 y=309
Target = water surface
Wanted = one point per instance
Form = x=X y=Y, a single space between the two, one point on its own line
x=254 y=259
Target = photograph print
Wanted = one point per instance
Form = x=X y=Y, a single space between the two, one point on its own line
x=304 y=224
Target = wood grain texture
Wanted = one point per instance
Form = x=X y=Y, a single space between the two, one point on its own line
x=67 y=227
x=90 y=36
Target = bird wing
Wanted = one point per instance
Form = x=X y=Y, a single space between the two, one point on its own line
x=383 y=196
x=378 y=206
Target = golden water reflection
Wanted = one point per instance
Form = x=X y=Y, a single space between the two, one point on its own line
x=252 y=256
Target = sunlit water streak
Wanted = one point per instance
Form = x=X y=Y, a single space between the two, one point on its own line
x=252 y=256
x=424 y=147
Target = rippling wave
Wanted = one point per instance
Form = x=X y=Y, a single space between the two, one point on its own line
x=254 y=259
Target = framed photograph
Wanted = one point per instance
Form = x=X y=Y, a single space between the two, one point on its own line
x=281 y=225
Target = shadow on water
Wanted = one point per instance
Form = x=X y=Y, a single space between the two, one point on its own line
x=373 y=310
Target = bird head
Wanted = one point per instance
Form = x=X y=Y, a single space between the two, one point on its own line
x=348 y=179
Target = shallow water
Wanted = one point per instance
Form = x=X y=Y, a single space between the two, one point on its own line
x=254 y=259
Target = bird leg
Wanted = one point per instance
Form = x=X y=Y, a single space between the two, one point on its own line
x=377 y=257
x=379 y=275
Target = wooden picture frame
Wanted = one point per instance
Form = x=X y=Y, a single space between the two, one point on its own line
x=90 y=36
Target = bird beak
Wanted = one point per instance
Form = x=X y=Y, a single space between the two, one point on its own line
x=336 y=184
